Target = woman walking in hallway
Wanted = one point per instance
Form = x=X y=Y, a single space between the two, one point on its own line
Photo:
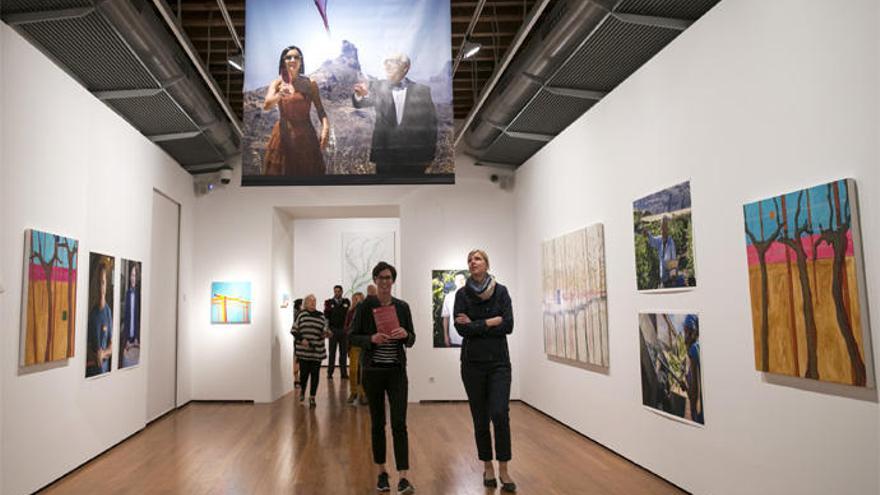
x=484 y=318
x=310 y=330
x=382 y=328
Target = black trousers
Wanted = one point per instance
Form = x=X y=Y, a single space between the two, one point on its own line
x=309 y=369
x=488 y=389
x=340 y=341
x=377 y=383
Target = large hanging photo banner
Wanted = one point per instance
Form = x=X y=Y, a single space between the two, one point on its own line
x=348 y=92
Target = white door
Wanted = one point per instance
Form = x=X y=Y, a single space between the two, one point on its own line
x=161 y=339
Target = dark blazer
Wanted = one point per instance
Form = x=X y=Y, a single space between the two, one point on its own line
x=335 y=312
x=413 y=141
x=482 y=343
x=363 y=326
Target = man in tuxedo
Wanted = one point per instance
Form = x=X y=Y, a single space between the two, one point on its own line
x=405 y=132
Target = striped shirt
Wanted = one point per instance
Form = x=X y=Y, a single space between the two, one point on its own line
x=387 y=353
x=309 y=328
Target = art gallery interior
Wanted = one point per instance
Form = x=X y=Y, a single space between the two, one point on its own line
x=753 y=100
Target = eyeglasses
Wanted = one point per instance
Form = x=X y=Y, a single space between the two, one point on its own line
x=288 y=58
x=385 y=277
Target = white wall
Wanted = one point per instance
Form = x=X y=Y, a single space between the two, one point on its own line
x=281 y=368
x=71 y=166
x=317 y=251
x=756 y=99
x=438 y=225
x=4 y=282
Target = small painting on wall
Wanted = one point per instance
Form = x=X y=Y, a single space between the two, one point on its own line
x=99 y=346
x=575 y=297
x=444 y=285
x=806 y=282
x=130 y=316
x=664 y=240
x=49 y=329
x=669 y=345
x=231 y=302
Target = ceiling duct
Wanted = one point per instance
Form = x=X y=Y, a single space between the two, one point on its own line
x=579 y=51
x=125 y=55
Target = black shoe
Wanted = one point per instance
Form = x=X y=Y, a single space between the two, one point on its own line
x=382 y=484
x=330 y=377
x=404 y=487
x=508 y=486
x=490 y=482
x=311 y=402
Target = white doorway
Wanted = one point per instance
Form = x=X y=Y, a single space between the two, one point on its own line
x=162 y=336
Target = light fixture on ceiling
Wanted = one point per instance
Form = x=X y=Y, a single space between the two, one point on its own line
x=470 y=48
x=237 y=62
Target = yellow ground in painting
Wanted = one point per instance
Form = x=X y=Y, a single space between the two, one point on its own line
x=38 y=319
x=787 y=337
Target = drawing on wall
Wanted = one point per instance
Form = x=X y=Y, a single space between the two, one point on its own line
x=99 y=346
x=669 y=345
x=49 y=330
x=805 y=278
x=231 y=302
x=664 y=240
x=360 y=253
x=575 y=297
x=444 y=285
x=130 y=315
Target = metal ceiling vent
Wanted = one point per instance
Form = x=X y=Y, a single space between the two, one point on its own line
x=580 y=51
x=127 y=57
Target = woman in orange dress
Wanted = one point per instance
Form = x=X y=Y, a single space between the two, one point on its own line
x=294 y=148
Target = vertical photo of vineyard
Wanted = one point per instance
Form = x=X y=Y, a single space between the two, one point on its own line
x=806 y=286
x=664 y=240
x=50 y=324
x=671 y=365
x=575 y=297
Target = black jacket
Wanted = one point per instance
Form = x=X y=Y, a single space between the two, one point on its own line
x=363 y=326
x=413 y=141
x=335 y=312
x=482 y=343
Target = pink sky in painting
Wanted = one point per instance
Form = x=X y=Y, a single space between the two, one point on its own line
x=58 y=274
x=776 y=253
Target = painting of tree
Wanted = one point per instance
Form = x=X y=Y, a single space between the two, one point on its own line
x=806 y=284
x=49 y=329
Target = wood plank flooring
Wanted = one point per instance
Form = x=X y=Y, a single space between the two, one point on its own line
x=285 y=447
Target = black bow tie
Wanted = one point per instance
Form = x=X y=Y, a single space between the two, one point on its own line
x=399 y=85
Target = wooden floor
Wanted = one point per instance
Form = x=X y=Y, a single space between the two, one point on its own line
x=285 y=447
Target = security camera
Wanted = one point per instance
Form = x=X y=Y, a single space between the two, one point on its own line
x=207 y=183
x=504 y=181
x=225 y=175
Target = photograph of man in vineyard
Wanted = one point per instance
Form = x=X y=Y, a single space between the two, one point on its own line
x=444 y=285
x=664 y=240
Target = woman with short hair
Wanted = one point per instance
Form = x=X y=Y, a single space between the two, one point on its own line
x=310 y=330
x=382 y=327
x=484 y=318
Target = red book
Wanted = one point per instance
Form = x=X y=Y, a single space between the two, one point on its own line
x=386 y=319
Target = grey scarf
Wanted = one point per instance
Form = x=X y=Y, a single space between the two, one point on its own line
x=484 y=290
